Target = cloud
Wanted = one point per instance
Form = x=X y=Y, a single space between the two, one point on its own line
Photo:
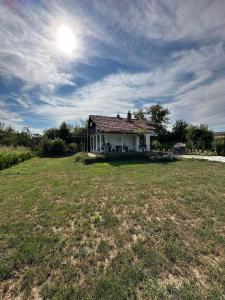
x=170 y=51
x=120 y=92
x=28 y=49
x=168 y=20
x=9 y=118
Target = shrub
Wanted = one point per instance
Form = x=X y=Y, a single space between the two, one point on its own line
x=57 y=147
x=156 y=145
x=220 y=147
x=72 y=148
x=11 y=156
x=43 y=147
x=53 y=147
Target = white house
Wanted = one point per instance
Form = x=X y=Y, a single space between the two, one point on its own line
x=116 y=134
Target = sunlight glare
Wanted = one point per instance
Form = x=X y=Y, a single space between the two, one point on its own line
x=66 y=41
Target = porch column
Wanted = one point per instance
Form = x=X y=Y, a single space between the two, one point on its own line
x=147 y=138
x=100 y=139
x=96 y=142
x=122 y=142
x=105 y=147
x=137 y=143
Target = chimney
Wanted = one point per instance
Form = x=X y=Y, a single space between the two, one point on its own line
x=118 y=116
x=129 y=116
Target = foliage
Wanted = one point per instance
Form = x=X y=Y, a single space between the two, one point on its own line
x=139 y=114
x=11 y=137
x=220 y=147
x=51 y=133
x=72 y=148
x=156 y=145
x=141 y=133
x=180 y=131
x=166 y=139
x=53 y=147
x=156 y=114
x=199 y=137
x=10 y=156
x=69 y=134
x=159 y=115
x=65 y=133
x=57 y=147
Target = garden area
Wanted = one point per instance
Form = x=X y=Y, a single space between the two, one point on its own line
x=112 y=230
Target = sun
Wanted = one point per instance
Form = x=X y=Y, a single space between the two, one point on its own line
x=65 y=39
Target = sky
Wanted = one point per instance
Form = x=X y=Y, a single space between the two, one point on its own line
x=63 y=60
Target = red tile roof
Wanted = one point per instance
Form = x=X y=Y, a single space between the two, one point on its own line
x=117 y=124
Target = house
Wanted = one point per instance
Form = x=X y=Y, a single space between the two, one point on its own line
x=116 y=134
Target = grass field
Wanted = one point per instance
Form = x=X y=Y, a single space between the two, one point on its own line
x=112 y=231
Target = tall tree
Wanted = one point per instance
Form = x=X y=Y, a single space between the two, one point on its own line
x=180 y=131
x=65 y=132
x=51 y=133
x=159 y=115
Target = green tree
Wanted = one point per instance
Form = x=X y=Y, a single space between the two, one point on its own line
x=160 y=116
x=180 y=131
x=199 y=137
x=51 y=133
x=139 y=114
x=65 y=133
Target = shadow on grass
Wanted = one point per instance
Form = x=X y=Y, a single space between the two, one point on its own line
x=56 y=156
x=117 y=163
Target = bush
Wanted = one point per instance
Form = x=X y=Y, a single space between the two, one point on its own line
x=220 y=147
x=72 y=148
x=57 y=147
x=11 y=156
x=53 y=147
x=156 y=145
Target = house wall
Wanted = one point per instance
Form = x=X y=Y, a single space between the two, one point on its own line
x=132 y=141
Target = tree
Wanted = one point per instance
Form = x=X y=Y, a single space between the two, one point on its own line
x=51 y=133
x=7 y=135
x=24 y=137
x=199 y=137
x=180 y=131
x=159 y=115
x=155 y=113
x=65 y=133
x=139 y=114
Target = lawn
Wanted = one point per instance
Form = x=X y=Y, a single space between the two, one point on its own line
x=123 y=230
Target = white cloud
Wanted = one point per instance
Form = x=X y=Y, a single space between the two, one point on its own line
x=28 y=48
x=117 y=30
x=119 y=92
x=168 y=20
x=9 y=118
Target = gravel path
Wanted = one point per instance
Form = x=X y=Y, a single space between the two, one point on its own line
x=211 y=158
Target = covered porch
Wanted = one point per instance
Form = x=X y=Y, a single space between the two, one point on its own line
x=119 y=142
